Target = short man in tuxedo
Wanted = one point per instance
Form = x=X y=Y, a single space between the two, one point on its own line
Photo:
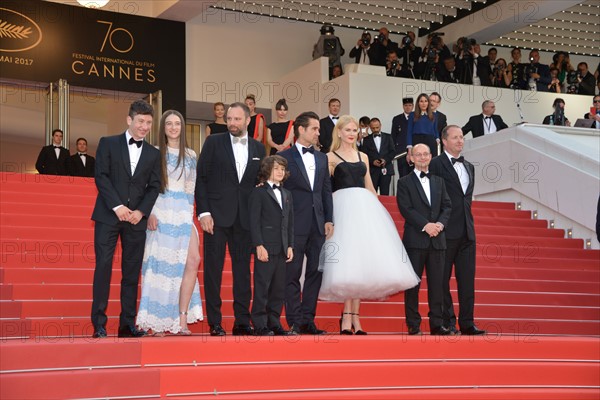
x=380 y=149
x=459 y=177
x=310 y=184
x=485 y=123
x=426 y=208
x=128 y=182
x=399 y=130
x=226 y=174
x=596 y=115
x=327 y=124
x=52 y=159
x=80 y=163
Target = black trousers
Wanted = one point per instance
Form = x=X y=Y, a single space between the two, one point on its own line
x=269 y=291
x=132 y=244
x=429 y=140
x=432 y=261
x=460 y=253
x=238 y=241
x=301 y=308
x=382 y=182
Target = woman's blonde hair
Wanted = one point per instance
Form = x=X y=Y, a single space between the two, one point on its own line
x=342 y=122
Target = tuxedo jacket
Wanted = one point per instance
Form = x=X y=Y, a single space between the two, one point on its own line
x=309 y=204
x=117 y=186
x=48 y=164
x=475 y=125
x=443 y=75
x=461 y=222
x=218 y=189
x=75 y=166
x=417 y=211
x=399 y=131
x=270 y=224
x=325 y=133
x=387 y=151
x=356 y=53
x=441 y=120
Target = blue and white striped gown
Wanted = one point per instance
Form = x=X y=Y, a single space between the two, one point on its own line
x=166 y=251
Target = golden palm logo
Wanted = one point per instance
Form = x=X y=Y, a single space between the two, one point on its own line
x=18 y=32
x=13 y=31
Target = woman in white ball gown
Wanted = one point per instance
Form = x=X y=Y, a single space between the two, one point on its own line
x=365 y=258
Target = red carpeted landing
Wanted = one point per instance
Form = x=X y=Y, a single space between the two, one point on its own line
x=538 y=295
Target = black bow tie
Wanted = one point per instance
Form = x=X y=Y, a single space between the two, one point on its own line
x=487 y=117
x=335 y=118
x=57 y=147
x=138 y=143
x=376 y=134
x=425 y=174
x=276 y=187
x=459 y=159
x=310 y=150
x=81 y=154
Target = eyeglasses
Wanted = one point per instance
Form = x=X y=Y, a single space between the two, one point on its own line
x=419 y=155
x=596 y=101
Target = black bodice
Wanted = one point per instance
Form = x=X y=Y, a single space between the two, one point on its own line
x=348 y=174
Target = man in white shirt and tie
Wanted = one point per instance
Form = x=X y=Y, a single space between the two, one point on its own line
x=379 y=147
x=485 y=123
x=327 y=124
x=52 y=159
x=80 y=163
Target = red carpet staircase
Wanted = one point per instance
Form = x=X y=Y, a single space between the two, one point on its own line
x=538 y=296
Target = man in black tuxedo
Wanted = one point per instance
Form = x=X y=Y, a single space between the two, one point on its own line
x=426 y=208
x=327 y=124
x=398 y=131
x=310 y=185
x=380 y=149
x=52 y=159
x=226 y=174
x=435 y=99
x=485 y=123
x=449 y=71
x=459 y=177
x=81 y=164
x=272 y=231
x=128 y=182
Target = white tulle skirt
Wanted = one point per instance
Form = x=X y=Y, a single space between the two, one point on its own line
x=365 y=258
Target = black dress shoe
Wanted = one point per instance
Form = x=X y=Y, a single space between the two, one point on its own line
x=99 y=333
x=294 y=329
x=279 y=331
x=414 y=331
x=472 y=331
x=264 y=331
x=217 y=330
x=360 y=332
x=131 y=331
x=242 y=330
x=440 y=331
x=311 y=329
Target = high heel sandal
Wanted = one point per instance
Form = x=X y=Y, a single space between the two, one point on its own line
x=358 y=332
x=344 y=331
x=184 y=331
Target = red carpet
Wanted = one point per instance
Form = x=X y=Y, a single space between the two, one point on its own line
x=538 y=295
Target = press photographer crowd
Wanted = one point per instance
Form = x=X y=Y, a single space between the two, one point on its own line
x=464 y=64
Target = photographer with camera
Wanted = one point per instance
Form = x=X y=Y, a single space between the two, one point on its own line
x=393 y=66
x=363 y=51
x=467 y=58
x=434 y=52
x=538 y=75
x=329 y=46
x=500 y=76
x=409 y=54
x=585 y=79
x=382 y=45
x=557 y=118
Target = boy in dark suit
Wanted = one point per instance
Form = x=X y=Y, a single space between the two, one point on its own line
x=52 y=159
x=128 y=181
x=80 y=163
x=272 y=231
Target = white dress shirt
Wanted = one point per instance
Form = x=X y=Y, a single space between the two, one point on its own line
x=425 y=183
x=309 y=164
x=134 y=152
x=488 y=125
x=461 y=171
x=277 y=193
x=240 y=153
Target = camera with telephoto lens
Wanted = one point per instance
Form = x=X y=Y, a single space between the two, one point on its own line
x=365 y=38
x=379 y=38
x=406 y=41
x=394 y=64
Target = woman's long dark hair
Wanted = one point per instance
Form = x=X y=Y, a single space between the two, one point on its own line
x=163 y=145
x=418 y=110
